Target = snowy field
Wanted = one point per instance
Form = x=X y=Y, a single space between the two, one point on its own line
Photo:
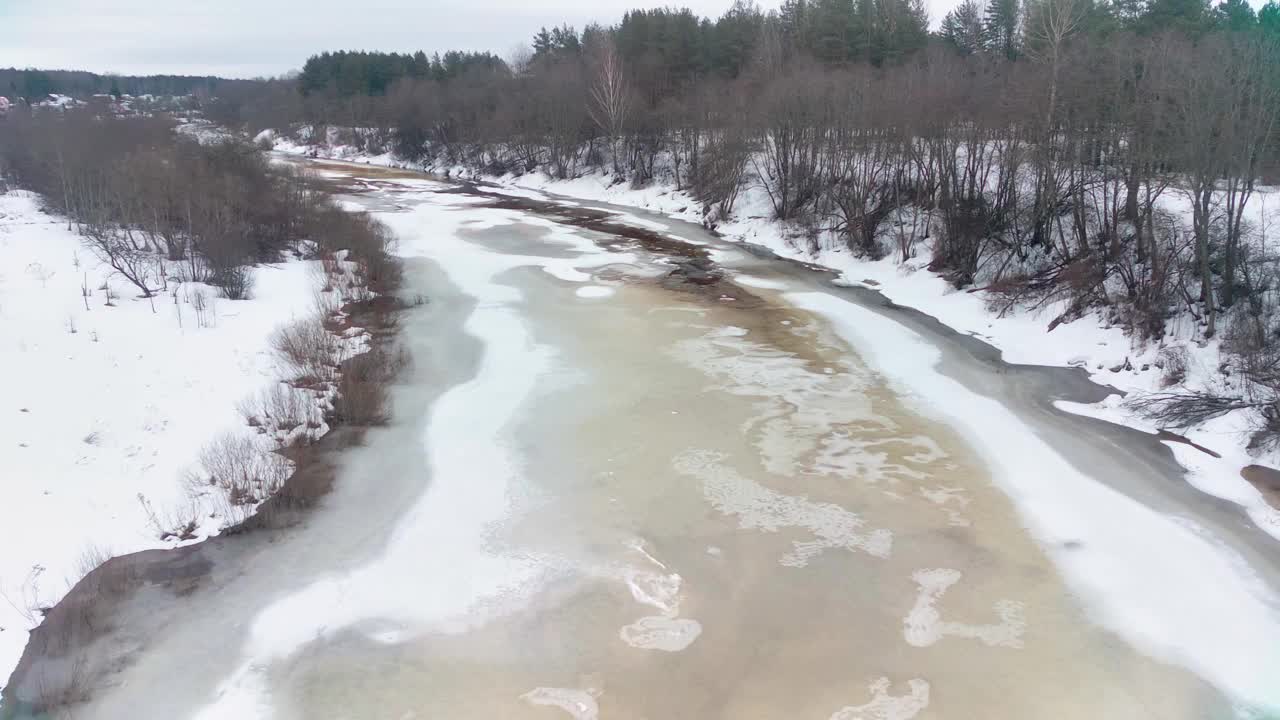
x=104 y=408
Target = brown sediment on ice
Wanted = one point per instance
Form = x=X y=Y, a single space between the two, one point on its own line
x=1267 y=480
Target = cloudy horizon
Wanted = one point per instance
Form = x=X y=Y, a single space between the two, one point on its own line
x=259 y=38
x=265 y=38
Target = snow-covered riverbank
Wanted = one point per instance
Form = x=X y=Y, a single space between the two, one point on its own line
x=106 y=402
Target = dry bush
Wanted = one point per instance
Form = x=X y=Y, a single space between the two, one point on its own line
x=91 y=558
x=331 y=264
x=203 y=307
x=367 y=242
x=362 y=388
x=177 y=523
x=245 y=472
x=307 y=348
x=1172 y=361
x=1184 y=409
x=59 y=688
x=378 y=267
x=280 y=410
x=320 y=276
x=235 y=282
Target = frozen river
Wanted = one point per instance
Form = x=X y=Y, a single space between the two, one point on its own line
x=645 y=474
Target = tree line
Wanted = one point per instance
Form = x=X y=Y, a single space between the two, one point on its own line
x=34 y=85
x=158 y=206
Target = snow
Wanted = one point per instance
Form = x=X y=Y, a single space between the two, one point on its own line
x=594 y=291
x=103 y=405
x=58 y=102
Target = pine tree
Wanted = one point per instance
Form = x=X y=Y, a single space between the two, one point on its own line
x=962 y=27
x=1190 y=17
x=1000 y=27
x=830 y=33
x=795 y=18
x=900 y=28
x=1235 y=16
x=1269 y=20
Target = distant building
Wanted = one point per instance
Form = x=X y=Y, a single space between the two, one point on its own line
x=58 y=102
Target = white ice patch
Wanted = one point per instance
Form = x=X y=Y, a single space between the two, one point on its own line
x=752 y=281
x=580 y=704
x=566 y=272
x=660 y=590
x=759 y=508
x=489 y=223
x=808 y=420
x=594 y=291
x=924 y=625
x=661 y=633
x=884 y=706
x=945 y=497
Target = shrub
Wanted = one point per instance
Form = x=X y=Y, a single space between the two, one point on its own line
x=245 y=472
x=235 y=281
x=280 y=411
x=1172 y=361
x=307 y=348
x=362 y=388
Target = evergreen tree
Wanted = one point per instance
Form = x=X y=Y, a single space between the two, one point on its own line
x=36 y=85
x=1269 y=20
x=795 y=18
x=735 y=37
x=1000 y=27
x=421 y=66
x=1235 y=16
x=962 y=27
x=900 y=28
x=1190 y=17
x=862 y=31
x=830 y=34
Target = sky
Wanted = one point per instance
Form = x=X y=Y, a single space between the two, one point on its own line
x=251 y=38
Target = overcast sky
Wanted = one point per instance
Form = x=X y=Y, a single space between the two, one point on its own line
x=248 y=38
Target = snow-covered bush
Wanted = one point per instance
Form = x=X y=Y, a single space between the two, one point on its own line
x=308 y=349
x=245 y=471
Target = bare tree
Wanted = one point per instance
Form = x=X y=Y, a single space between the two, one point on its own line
x=610 y=95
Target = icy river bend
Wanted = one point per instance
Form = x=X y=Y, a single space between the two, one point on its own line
x=647 y=474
